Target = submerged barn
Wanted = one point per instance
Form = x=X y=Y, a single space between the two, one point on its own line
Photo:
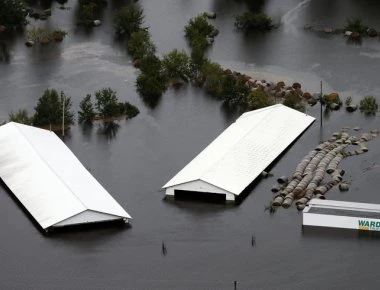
x=342 y=214
x=237 y=156
x=50 y=182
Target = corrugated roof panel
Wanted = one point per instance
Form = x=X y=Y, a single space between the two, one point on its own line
x=235 y=158
x=47 y=178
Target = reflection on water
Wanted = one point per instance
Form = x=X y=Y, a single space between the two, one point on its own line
x=324 y=233
x=207 y=242
x=4 y=52
x=109 y=129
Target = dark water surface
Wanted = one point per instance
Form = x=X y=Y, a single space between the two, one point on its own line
x=208 y=245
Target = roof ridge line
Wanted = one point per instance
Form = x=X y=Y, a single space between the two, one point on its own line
x=44 y=161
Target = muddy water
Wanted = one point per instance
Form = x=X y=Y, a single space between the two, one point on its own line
x=208 y=245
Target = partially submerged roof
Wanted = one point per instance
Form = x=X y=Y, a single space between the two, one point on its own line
x=248 y=146
x=50 y=181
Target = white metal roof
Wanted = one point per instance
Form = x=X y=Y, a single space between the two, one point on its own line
x=238 y=155
x=48 y=179
x=346 y=205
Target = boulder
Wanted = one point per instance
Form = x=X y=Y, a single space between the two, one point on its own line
x=307 y=96
x=334 y=106
x=372 y=32
x=137 y=63
x=299 y=92
x=312 y=101
x=210 y=15
x=209 y=40
x=296 y=86
x=280 y=84
x=97 y=22
x=347 y=33
x=351 y=108
x=355 y=35
x=227 y=72
x=280 y=94
x=214 y=32
x=29 y=43
x=357 y=128
x=333 y=98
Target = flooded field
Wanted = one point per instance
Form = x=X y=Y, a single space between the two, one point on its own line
x=208 y=245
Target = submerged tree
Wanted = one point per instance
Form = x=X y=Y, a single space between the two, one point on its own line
x=12 y=13
x=128 y=20
x=258 y=99
x=107 y=102
x=250 y=21
x=139 y=44
x=49 y=109
x=87 y=112
x=21 y=116
x=152 y=81
x=176 y=65
x=368 y=105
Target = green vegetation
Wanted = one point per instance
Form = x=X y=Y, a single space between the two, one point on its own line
x=258 y=99
x=129 y=110
x=139 y=44
x=87 y=112
x=271 y=208
x=58 y=34
x=355 y=25
x=107 y=106
x=107 y=103
x=12 y=13
x=128 y=20
x=348 y=101
x=235 y=92
x=368 y=105
x=199 y=32
x=88 y=10
x=152 y=81
x=293 y=101
x=21 y=116
x=176 y=65
x=43 y=35
x=250 y=21
x=49 y=109
x=331 y=98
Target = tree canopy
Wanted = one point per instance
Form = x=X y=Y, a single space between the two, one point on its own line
x=12 y=13
x=49 y=109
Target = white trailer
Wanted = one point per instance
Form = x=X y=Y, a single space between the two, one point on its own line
x=342 y=214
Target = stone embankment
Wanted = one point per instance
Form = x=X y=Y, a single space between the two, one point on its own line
x=275 y=90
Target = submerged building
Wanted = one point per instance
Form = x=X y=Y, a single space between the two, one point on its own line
x=239 y=155
x=50 y=182
x=342 y=214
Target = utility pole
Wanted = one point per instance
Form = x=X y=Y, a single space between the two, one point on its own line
x=63 y=113
x=320 y=101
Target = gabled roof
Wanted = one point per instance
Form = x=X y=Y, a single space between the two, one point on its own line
x=238 y=155
x=47 y=178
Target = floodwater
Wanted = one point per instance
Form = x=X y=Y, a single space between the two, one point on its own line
x=208 y=245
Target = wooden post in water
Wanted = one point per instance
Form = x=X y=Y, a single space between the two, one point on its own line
x=235 y=285
x=320 y=101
